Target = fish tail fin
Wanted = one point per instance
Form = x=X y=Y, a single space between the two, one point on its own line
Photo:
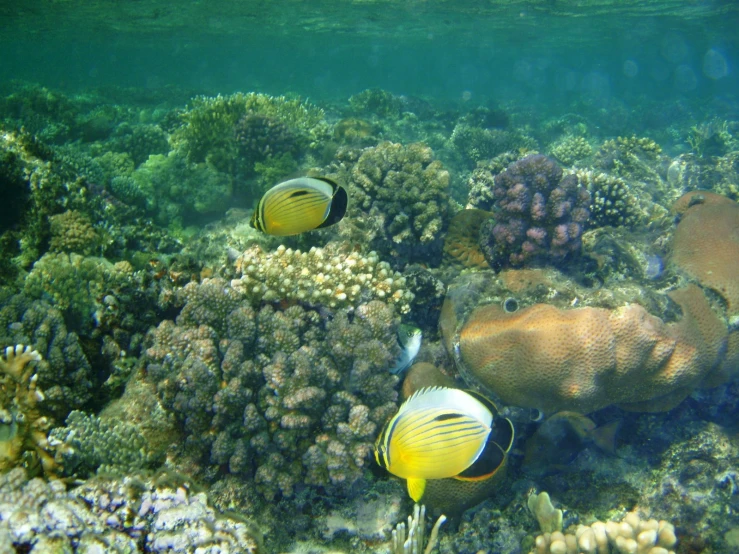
x=416 y=488
x=605 y=437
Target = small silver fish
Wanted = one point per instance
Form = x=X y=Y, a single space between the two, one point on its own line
x=409 y=340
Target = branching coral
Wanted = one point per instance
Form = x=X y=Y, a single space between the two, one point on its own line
x=408 y=190
x=278 y=395
x=539 y=214
x=211 y=128
x=613 y=201
x=631 y=535
x=571 y=149
x=64 y=374
x=156 y=514
x=327 y=276
x=23 y=427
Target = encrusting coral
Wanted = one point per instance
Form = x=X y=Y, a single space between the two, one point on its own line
x=329 y=276
x=23 y=425
x=280 y=395
x=584 y=359
x=706 y=244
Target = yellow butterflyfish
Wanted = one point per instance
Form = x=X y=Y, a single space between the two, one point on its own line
x=299 y=205
x=442 y=432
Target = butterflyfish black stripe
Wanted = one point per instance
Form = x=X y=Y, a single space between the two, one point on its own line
x=282 y=200
x=300 y=202
x=432 y=428
x=453 y=439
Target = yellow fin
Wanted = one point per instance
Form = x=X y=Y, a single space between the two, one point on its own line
x=416 y=488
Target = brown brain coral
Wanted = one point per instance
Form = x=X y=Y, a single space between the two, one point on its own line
x=586 y=359
x=706 y=243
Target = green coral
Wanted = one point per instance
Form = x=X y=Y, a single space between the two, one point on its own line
x=208 y=133
x=571 y=149
x=613 y=201
x=76 y=285
x=711 y=138
x=178 y=191
x=377 y=102
x=88 y=444
x=72 y=231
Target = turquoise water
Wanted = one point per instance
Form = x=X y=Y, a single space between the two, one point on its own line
x=552 y=52
x=542 y=193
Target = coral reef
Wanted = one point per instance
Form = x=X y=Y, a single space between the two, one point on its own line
x=706 y=245
x=613 y=202
x=630 y=535
x=328 y=276
x=571 y=149
x=414 y=531
x=215 y=129
x=72 y=231
x=76 y=285
x=139 y=141
x=405 y=189
x=461 y=245
x=539 y=214
x=64 y=374
x=176 y=191
x=23 y=424
x=88 y=444
x=587 y=358
x=280 y=396
x=133 y=514
x=476 y=144
x=376 y=102
x=632 y=158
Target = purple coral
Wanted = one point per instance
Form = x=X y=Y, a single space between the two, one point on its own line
x=539 y=214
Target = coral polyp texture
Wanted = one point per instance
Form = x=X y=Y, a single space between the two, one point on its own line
x=330 y=276
x=406 y=189
x=632 y=535
x=279 y=397
x=23 y=425
x=553 y=358
x=539 y=214
x=131 y=514
x=706 y=243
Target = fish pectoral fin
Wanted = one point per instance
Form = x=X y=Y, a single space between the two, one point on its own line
x=416 y=488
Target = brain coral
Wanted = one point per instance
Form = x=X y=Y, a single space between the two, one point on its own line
x=585 y=359
x=706 y=243
x=279 y=397
x=539 y=214
x=407 y=189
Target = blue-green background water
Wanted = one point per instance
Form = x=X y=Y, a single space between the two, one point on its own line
x=541 y=53
x=131 y=163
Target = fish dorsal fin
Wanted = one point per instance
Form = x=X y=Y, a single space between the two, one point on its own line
x=448 y=398
x=416 y=488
